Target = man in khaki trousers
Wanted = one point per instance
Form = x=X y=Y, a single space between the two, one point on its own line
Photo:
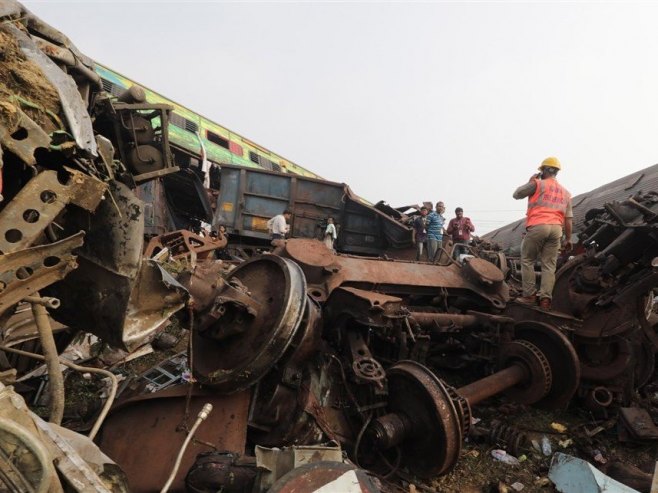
x=549 y=210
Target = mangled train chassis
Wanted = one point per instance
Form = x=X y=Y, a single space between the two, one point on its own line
x=348 y=349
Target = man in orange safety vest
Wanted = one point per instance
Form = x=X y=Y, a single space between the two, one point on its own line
x=549 y=210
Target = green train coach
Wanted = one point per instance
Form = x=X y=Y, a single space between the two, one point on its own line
x=191 y=133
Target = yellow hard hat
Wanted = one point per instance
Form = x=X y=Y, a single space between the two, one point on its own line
x=550 y=162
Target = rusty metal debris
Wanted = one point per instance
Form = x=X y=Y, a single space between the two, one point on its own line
x=381 y=323
x=295 y=345
x=185 y=244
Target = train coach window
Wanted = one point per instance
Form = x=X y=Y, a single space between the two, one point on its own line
x=264 y=162
x=182 y=122
x=217 y=139
x=112 y=88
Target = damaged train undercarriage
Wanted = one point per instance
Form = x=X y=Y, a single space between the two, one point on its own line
x=289 y=350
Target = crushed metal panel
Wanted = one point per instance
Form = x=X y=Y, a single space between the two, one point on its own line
x=96 y=296
x=21 y=326
x=72 y=104
x=68 y=462
x=28 y=214
x=125 y=313
x=18 y=430
x=570 y=475
x=39 y=447
x=154 y=298
x=26 y=272
x=33 y=137
x=115 y=236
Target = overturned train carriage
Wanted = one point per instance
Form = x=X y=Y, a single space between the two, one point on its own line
x=610 y=289
x=605 y=294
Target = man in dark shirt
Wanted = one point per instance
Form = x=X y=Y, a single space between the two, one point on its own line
x=460 y=228
x=420 y=232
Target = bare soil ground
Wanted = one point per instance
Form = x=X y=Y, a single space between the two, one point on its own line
x=478 y=471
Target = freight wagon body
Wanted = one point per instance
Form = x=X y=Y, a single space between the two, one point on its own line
x=248 y=198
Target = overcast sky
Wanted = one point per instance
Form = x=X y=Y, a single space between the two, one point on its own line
x=404 y=102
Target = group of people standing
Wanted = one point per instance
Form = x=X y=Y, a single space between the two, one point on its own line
x=430 y=231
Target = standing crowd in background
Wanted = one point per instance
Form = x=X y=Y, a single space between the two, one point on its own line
x=431 y=235
x=429 y=232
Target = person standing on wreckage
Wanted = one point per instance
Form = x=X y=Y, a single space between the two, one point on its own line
x=435 y=222
x=549 y=209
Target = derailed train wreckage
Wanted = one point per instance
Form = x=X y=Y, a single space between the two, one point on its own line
x=294 y=347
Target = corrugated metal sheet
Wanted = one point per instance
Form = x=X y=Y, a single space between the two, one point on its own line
x=641 y=181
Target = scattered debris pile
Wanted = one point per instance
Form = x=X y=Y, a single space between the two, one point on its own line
x=298 y=366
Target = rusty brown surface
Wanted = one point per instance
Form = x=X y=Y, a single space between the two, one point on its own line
x=28 y=214
x=143 y=435
x=29 y=135
x=266 y=316
x=27 y=271
x=330 y=346
x=326 y=271
x=184 y=244
x=494 y=384
x=435 y=445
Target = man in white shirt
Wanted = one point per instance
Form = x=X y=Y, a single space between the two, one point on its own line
x=278 y=225
x=330 y=234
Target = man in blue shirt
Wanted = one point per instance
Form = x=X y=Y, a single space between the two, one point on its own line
x=435 y=222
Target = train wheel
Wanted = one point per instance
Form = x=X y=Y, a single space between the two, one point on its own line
x=434 y=446
x=562 y=359
x=277 y=286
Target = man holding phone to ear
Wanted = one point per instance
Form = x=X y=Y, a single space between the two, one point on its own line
x=549 y=210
